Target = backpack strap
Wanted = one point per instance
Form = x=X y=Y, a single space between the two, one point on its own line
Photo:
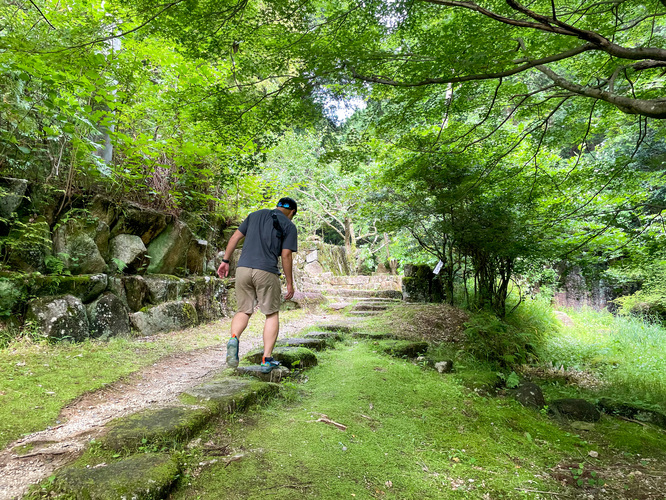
x=278 y=228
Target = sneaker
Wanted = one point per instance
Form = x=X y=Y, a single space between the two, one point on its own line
x=268 y=364
x=232 y=352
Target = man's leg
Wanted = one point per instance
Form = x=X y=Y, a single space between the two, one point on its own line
x=239 y=324
x=271 y=327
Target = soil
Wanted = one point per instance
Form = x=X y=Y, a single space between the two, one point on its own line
x=36 y=456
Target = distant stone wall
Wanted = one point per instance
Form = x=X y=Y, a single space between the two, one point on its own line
x=102 y=268
x=420 y=284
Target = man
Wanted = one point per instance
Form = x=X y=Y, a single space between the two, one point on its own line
x=268 y=234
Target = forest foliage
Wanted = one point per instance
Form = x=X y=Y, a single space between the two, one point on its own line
x=502 y=139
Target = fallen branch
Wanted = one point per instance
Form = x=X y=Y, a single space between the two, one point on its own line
x=326 y=420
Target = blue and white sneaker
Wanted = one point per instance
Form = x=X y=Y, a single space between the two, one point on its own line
x=232 y=352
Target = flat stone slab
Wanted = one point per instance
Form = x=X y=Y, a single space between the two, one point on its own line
x=228 y=394
x=145 y=476
x=364 y=313
x=336 y=327
x=291 y=357
x=328 y=335
x=402 y=348
x=373 y=335
x=370 y=306
x=155 y=426
x=275 y=375
x=311 y=343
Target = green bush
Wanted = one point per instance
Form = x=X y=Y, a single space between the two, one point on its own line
x=500 y=343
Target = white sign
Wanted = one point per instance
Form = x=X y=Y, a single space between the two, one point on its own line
x=438 y=267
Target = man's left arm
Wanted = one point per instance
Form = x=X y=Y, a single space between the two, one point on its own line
x=287 y=260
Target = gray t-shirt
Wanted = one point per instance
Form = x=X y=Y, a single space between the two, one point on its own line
x=262 y=247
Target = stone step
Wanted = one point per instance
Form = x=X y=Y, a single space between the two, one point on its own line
x=368 y=306
x=275 y=375
x=364 y=313
x=179 y=423
x=146 y=475
x=402 y=348
x=326 y=335
x=386 y=294
x=310 y=343
x=291 y=357
x=336 y=327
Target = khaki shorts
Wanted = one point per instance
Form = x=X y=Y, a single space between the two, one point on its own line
x=254 y=286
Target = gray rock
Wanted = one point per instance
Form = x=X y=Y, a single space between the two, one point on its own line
x=164 y=288
x=530 y=395
x=574 y=409
x=130 y=252
x=74 y=243
x=108 y=317
x=337 y=336
x=86 y=287
x=196 y=256
x=143 y=222
x=59 y=317
x=116 y=286
x=314 y=268
x=291 y=357
x=210 y=298
x=104 y=210
x=168 y=252
x=165 y=317
x=632 y=411
x=136 y=292
x=11 y=196
x=444 y=366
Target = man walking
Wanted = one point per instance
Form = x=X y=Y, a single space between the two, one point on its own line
x=268 y=234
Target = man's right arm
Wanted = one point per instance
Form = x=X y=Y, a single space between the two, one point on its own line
x=223 y=270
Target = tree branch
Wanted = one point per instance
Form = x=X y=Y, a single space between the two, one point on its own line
x=42 y=14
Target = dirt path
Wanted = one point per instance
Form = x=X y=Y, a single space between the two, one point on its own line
x=85 y=418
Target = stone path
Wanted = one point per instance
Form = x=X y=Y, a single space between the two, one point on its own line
x=150 y=398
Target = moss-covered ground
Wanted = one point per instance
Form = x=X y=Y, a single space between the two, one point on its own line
x=410 y=433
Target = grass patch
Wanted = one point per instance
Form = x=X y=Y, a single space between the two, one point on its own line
x=627 y=354
x=410 y=434
x=40 y=378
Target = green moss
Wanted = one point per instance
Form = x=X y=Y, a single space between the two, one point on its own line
x=152 y=427
x=401 y=348
x=291 y=357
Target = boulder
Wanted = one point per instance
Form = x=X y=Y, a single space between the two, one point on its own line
x=530 y=395
x=143 y=222
x=86 y=287
x=12 y=192
x=168 y=252
x=29 y=245
x=127 y=254
x=59 y=318
x=136 y=292
x=574 y=409
x=164 y=288
x=275 y=375
x=75 y=245
x=104 y=210
x=633 y=412
x=117 y=287
x=209 y=296
x=444 y=366
x=165 y=317
x=402 y=348
x=108 y=317
x=196 y=256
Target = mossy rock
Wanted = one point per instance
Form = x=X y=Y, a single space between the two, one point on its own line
x=143 y=477
x=165 y=317
x=402 y=348
x=373 y=335
x=632 y=411
x=311 y=343
x=275 y=375
x=86 y=287
x=328 y=335
x=152 y=427
x=228 y=395
x=291 y=357
x=336 y=327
